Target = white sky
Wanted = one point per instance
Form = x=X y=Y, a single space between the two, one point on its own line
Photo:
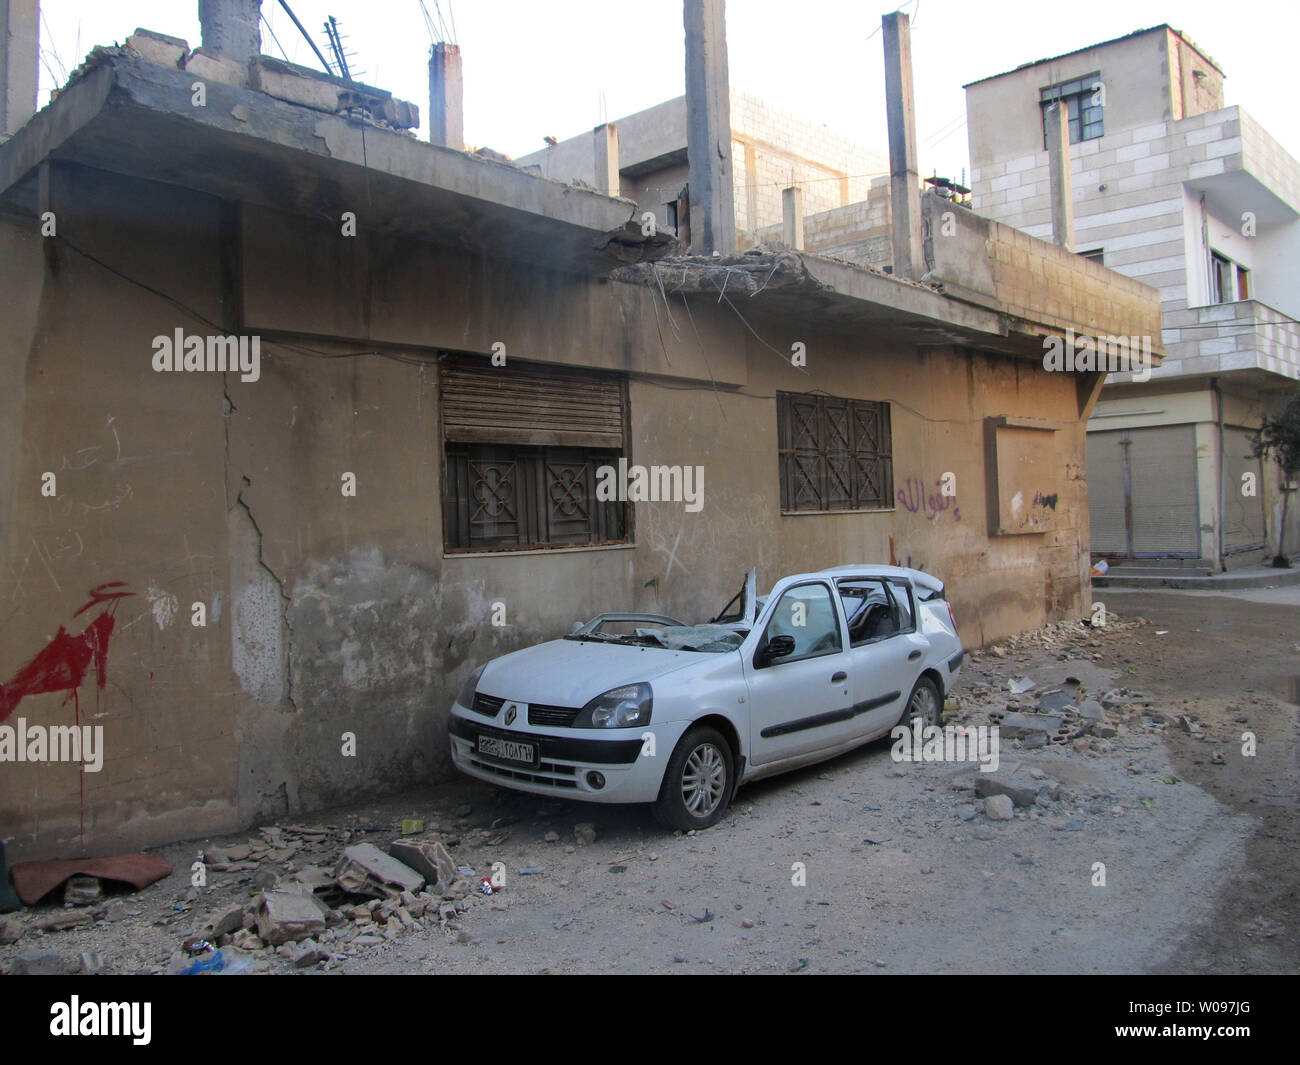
x=534 y=68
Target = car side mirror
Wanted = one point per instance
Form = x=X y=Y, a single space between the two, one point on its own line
x=779 y=647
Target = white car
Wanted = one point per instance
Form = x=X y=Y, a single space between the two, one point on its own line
x=638 y=708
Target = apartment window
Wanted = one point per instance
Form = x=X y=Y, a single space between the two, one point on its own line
x=1097 y=255
x=1078 y=96
x=523 y=445
x=1243 y=283
x=670 y=213
x=1220 y=278
x=835 y=453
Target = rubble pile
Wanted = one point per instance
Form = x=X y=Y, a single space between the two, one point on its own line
x=303 y=896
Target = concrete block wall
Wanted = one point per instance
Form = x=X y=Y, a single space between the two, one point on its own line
x=1246 y=335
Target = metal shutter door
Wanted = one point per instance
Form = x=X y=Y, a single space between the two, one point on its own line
x=1106 y=493
x=1162 y=479
x=1243 y=516
x=548 y=406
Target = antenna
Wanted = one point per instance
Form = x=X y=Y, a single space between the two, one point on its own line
x=341 y=56
x=303 y=30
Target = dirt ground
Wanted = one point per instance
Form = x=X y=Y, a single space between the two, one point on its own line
x=902 y=868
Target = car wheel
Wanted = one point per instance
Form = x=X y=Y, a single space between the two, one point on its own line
x=698 y=782
x=924 y=702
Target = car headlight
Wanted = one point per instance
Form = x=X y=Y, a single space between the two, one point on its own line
x=467 y=690
x=625 y=707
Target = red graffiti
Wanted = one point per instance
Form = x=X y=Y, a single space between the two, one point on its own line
x=60 y=666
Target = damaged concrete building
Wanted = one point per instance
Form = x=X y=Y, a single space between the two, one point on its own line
x=303 y=417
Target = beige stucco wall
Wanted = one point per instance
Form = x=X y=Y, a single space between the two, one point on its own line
x=331 y=615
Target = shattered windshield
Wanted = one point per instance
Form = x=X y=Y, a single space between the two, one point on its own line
x=709 y=638
x=726 y=632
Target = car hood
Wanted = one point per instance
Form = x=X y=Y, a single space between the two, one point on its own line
x=573 y=672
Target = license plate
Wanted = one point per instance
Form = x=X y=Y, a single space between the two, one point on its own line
x=516 y=751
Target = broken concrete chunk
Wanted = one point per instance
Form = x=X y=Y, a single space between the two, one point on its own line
x=289 y=915
x=11 y=931
x=986 y=786
x=428 y=857
x=585 y=832
x=82 y=891
x=1013 y=725
x=60 y=922
x=209 y=66
x=223 y=922
x=40 y=963
x=306 y=954
x=158 y=47
x=363 y=869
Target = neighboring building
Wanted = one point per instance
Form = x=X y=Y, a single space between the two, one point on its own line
x=770 y=150
x=374 y=507
x=1176 y=190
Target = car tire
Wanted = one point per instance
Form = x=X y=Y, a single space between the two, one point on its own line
x=698 y=782
x=925 y=702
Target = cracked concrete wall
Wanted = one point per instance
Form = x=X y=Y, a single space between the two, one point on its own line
x=137 y=459
x=345 y=632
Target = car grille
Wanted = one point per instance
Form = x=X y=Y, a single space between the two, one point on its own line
x=549 y=773
x=486 y=705
x=561 y=716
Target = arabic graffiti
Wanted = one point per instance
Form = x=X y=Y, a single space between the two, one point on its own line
x=61 y=665
x=913 y=498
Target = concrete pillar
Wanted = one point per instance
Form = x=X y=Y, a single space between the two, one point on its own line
x=904 y=179
x=606 y=147
x=446 y=97
x=708 y=128
x=20 y=49
x=1058 y=173
x=230 y=28
x=792 y=217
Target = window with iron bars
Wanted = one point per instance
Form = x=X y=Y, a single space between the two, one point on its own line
x=835 y=453
x=508 y=496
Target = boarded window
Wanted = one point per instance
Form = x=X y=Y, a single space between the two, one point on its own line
x=835 y=454
x=524 y=445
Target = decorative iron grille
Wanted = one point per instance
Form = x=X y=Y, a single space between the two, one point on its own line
x=835 y=454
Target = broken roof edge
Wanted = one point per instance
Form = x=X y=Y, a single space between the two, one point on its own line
x=116 y=85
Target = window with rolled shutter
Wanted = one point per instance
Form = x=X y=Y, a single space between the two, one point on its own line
x=523 y=444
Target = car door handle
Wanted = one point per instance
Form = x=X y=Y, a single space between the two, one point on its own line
x=914 y=656
x=840 y=676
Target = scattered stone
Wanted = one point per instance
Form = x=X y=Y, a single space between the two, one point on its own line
x=40 y=963
x=223 y=922
x=61 y=922
x=552 y=837
x=306 y=954
x=91 y=961
x=999 y=808
x=363 y=869
x=987 y=786
x=585 y=832
x=1051 y=702
x=966 y=811
x=82 y=891
x=746 y=922
x=11 y=931
x=1075 y=824
x=289 y=915
x=427 y=857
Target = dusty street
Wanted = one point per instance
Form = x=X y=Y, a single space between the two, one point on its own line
x=905 y=869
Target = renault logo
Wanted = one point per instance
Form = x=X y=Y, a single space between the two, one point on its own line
x=511 y=711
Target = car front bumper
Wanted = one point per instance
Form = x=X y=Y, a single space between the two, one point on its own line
x=632 y=768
